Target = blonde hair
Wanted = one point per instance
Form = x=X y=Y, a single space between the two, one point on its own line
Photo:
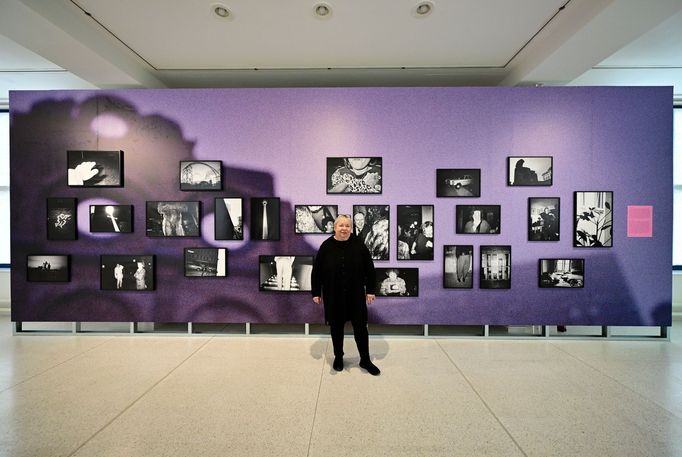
x=343 y=216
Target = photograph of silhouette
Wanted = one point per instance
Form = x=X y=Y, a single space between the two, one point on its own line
x=201 y=175
x=127 y=272
x=314 y=219
x=111 y=218
x=397 y=282
x=593 y=217
x=61 y=219
x=415 y=232
x=354 y=175
x=477 y=219
x=562 y=273
x=229 y=219
x=171 y=219
x=285 y=273
x=371 y=225
x=47 y=268
x=495 y=267
x=458 y=182
x=206 y=262
x=458 y=267
x=529 y=171
x=264 y=218
x=95 y=168
x=543 y=219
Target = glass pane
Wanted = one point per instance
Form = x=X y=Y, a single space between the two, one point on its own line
x=4 y=148
x=677 y=226
x=4 y=227
x=677 y=146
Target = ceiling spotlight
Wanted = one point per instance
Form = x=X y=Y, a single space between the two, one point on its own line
x=423 y=9
x=322 y=10
x=221 y=10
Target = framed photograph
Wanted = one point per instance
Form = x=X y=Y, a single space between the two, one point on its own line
x=285 y=273
x=458 y=266
x=111 y=218
x=593 y=219
x=371 y=225
x=265 y=218
x=229 y=219
x=206 y=262
x=127 y=272
x=415 y=232
x=172 y=219
x=477 y=219
x=397 y=282
x=201 y=175
x=315 y=219
x=61 y=219
x=48 y=268
x=495 y=267
x=458 y=182
x=543 y=219
x=562 y=273
x=94 y=168
x=529 y=171
x=354 y=175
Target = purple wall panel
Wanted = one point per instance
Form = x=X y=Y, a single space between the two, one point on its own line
x=274 y=142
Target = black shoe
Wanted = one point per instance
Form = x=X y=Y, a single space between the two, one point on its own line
x=370 y=367
x=338 y=363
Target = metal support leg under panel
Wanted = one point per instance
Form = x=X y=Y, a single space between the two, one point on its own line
x=426 y=329
x=75 y=327
x=486 y=330
x=248 y=328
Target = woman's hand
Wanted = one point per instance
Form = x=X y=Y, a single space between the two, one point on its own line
x=317 y=300
x=370 y=298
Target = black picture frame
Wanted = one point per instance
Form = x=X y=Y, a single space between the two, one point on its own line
x=315 y=219
x=530 y=171
x=173 y=219
x=458 y=182
x=48 y=268
x=111 y=218
x=94 y=168
x=285 y=273
x=458 y=266
x=414 y=224
x=228 y=221
x=137 y=272
x=495 y=267
x=561 y=273
x=478 y=219
x=397 y=282
x=354 y=175
x=202 y=262
x=62 y=218
x=544 y=218
x=265 y=219
x=371 y=223
x=593 y=219
x=201 y=175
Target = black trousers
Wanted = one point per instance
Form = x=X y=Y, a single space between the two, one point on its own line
x=359 y=332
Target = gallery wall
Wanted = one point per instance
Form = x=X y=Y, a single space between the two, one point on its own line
x=275 y=143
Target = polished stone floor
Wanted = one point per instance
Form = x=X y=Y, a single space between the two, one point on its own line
x=163 y=395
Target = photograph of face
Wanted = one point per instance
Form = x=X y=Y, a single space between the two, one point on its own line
x=458 y=182
x=127 y=272
x=229 y=219
x=477 y=219
x=61 y=219
x=495 y=267
x=285 y=273
x=201 y=175
x=264 y=218
x=111 y=218
x=397 y=282
x=593 y=219
x=371 y=225
x=562 y=273
x=354 y=175
x=47 y=268
x=95 y=168
x=169 y=219
x=543 y=219
x=415 y=232
x=458 y=266
x=529 y=171
x=315 y=219
x=206 y=262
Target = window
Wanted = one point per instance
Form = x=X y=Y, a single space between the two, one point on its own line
x=4 y=188
x=677 y=188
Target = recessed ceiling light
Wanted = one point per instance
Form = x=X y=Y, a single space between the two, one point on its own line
x=322 y=10
x=423 y=9
x=221 y=11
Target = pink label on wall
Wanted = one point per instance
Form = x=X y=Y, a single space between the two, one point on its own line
x=640 y=221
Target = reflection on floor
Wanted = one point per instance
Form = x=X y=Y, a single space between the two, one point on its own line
x=163 y=395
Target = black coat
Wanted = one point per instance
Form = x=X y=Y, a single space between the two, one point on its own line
x=343 y=273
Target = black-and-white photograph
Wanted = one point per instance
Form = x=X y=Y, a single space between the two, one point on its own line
x=47 y=268
x=111 y=218
x=562 y=273
x=285 y=273
x=127 y=272
x=265 y=218
x=229 y=219
x=593 y=219
x=206 y=262
x=529 y=171
x=477 y=219
x=397 y=282
x=354 y=175
x=95 y=168
x=415 y=232
x=458 y=266
x=495 y=267
x=458 y=182
x=61 y=219
x=315 y=219
x=371 y=225
x=171 y=219
x=201 y=175
x=543 y=219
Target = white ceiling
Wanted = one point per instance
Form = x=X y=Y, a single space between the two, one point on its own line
x=63 y=44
